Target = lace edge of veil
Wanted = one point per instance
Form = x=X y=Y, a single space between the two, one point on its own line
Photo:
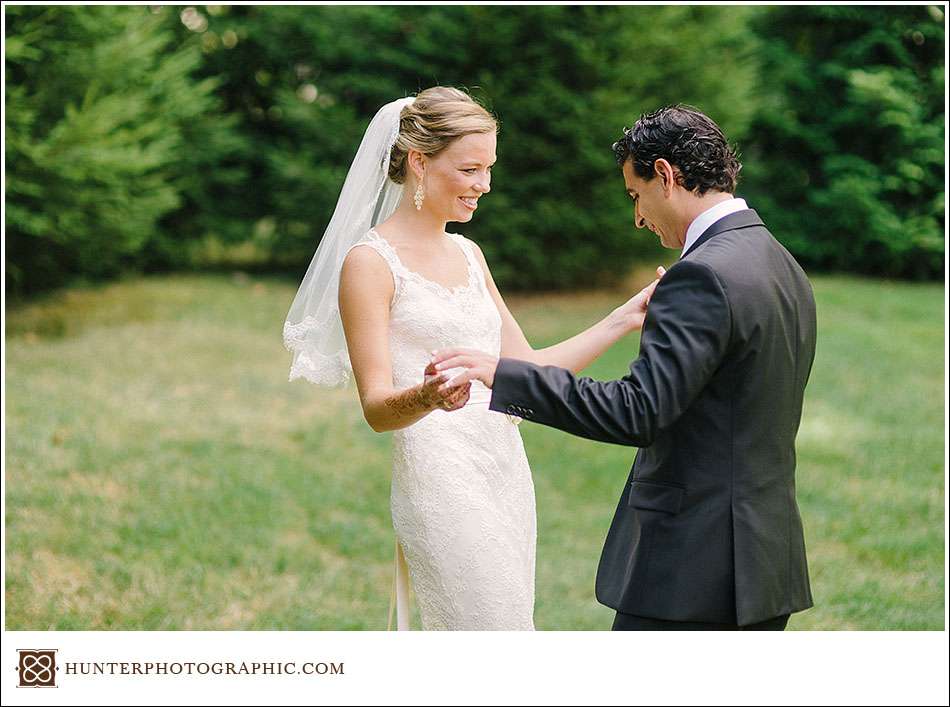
x=309 y=363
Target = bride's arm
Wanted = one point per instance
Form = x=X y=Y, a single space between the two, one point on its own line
x=366 y=291
x=575 y=353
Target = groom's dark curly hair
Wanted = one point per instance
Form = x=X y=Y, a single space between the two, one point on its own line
x=688 y=140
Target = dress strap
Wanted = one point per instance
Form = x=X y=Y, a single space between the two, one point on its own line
x=382 y=246
x=468 y=248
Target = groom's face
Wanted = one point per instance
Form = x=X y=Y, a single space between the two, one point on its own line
x=651 y=207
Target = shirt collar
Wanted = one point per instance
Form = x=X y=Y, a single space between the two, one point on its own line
x=708 y=217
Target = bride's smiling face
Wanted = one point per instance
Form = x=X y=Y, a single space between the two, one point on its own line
x=456 y=178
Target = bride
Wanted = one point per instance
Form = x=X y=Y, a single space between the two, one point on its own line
x=389 y=285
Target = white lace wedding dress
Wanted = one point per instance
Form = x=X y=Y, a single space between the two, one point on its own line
x=462 y=498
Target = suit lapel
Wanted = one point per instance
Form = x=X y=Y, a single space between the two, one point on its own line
x=732 y=222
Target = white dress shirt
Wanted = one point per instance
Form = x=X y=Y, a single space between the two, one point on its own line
x=708 y=217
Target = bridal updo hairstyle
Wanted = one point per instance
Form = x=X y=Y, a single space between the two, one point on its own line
x=688 y=140
x=429 y=124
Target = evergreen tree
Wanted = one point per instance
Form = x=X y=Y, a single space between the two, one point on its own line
x=98 y=102
x=847 y=163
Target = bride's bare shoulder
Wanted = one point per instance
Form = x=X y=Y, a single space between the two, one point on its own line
x=363 y=259
x=365 y=271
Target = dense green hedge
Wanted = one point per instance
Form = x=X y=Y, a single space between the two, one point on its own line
x=848 y=154
x=103 y=117
x=150 y=138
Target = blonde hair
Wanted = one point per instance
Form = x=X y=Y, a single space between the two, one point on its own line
x=429 y=124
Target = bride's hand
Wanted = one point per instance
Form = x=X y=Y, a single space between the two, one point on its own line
x=451 y=399
x=632 y=313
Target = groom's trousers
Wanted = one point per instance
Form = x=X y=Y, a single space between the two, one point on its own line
x=629 y=622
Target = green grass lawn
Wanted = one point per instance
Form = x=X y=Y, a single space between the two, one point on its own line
x=161 y=473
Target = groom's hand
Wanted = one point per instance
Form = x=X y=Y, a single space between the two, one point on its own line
x=478 y=364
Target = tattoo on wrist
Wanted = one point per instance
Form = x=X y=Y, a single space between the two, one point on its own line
x=408 y=402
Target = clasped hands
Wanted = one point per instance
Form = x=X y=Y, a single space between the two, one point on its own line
x=441 y=391
x=438 y=394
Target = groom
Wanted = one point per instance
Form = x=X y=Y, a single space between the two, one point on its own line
x=707 y=533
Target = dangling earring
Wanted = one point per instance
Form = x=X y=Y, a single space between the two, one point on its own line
x=419 y=196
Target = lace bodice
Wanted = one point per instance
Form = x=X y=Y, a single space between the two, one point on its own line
x=426 y=316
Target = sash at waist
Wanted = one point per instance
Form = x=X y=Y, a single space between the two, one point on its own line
x=479 y=394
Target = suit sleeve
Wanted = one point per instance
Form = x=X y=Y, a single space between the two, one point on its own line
x=684 y=339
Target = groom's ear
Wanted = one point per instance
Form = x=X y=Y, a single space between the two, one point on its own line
x=666 y=173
